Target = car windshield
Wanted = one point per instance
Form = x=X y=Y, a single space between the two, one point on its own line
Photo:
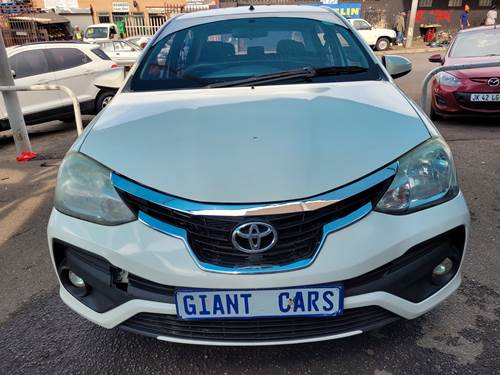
x=232 y=50
x=96 y=32
x=477 y=43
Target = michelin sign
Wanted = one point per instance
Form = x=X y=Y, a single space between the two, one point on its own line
x=347 y=10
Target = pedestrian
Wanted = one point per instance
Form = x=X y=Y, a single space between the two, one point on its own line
x=464 y=18
x=143 y=42
x=491 y=16
x=400 y=28
x=77 y=34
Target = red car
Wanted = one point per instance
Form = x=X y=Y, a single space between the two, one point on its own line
x=468 y=91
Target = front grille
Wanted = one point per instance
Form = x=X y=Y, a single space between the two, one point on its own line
x=464 y=99
x=299 y=233
x=261 y=329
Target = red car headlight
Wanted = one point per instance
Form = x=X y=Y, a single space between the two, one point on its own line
x=446 y=79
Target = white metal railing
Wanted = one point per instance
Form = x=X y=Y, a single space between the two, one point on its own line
x=74 y=99
x=424 y=101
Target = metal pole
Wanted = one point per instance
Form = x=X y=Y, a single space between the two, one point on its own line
x=74 y=99
x=424 y=102
x=411 y=25
x=12 y=106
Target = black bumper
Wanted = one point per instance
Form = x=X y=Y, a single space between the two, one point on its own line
x=408 y=277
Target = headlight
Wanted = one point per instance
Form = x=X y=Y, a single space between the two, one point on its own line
x=446 y=79
x=84 y=190
x=426 y=176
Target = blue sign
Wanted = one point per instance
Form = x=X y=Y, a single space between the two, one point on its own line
x=346 y=10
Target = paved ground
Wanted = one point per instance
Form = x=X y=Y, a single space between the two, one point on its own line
x=40 y=335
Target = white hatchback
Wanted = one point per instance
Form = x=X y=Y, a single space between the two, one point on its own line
x=259 y=179
x=81 y=67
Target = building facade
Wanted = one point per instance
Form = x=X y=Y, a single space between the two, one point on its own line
x=145 y=16
x=445 y=13
x=138 y=17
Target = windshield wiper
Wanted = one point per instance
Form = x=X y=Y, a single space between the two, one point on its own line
x=302 y=73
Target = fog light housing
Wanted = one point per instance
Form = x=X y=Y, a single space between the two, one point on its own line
x=443 y=271
x=76 y=280
x=440 y=100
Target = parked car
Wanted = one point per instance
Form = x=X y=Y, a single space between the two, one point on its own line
x=268 y=183
x=379 y=39
x=121 y=51
x=135 y=40
x=468 y=91
x=79 y=66
x=100 y=32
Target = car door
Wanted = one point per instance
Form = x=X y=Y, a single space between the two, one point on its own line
x=365 y=30
x=74 y=69
x=125 y=53
x=32 y=68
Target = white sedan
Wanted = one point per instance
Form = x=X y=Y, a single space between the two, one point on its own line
x=263 y=182
x=378 y=38
x=121 y=51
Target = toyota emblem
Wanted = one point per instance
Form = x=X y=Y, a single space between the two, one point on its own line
x=254 y=237
x=494 y=82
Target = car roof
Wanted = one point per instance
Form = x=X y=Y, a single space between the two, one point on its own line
x=479 y=29
x=187 y=20
x=55 y=44
x=258 y=9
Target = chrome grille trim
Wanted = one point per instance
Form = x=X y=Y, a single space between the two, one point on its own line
x=229 y=209
x=207 y=209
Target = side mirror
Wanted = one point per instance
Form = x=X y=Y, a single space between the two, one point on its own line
x=397 y=66
x=13 y=72
x=437 y=58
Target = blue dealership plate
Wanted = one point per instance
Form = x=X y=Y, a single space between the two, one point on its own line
x=195 y=304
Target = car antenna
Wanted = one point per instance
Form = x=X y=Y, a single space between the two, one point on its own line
x=251 y=7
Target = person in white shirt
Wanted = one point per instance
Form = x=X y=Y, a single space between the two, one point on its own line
x=491 y=16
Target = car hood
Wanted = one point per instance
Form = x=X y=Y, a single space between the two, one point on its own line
x=381 y=31
x=262 y=144
x=474 y=73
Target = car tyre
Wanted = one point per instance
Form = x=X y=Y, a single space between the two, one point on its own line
x=103 y=99
x=382 y=44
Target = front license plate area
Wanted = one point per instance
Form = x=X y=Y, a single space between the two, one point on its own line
x=485 y=97
x=195 y=304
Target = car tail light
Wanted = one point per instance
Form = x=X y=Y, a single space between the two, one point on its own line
x=114 y=66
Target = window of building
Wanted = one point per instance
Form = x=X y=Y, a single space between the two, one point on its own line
x=157 y=19
x=454 y=3
x=425 y=3
x=136 y=25
x=120 y=16
x=29 y=63
x=67 y=58
x=485 y=3
x=103 y=17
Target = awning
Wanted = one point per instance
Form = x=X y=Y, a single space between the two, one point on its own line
x=43 y=18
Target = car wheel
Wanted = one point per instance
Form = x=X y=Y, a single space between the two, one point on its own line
x=382 y=44
x=103 y=100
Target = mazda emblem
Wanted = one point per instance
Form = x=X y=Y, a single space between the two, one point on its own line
x=254 y=237
x=494 y=82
